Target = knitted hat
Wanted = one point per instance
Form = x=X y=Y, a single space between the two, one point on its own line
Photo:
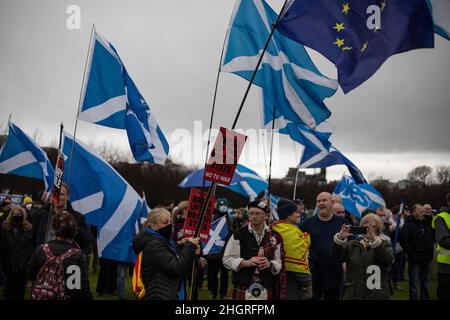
x=285 y=208
x=222 y=202
x=27 y=200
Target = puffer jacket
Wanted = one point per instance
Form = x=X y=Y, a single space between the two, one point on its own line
x=16 y=249
x=358 y=259
x=162 y=268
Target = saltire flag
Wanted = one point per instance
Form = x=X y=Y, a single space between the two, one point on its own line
x=313 y=140
x=440 y=10
x=218 y=235
x=358 y=35
x=145 y=210
x=110 y=98
x=273 y=200
x=22 y=156
x=332 y=157
x=358 y=197
x=287 y=75
x=105 y=199
x=244 y=181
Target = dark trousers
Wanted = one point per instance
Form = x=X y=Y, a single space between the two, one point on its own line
x=107 y=277
x=320 y=292
x=214 y=267
x=419 y=274
x=398 y=268
x=298 y=286
x=15 y=286
x=443 y=286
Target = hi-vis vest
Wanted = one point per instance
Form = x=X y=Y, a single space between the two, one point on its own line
x=443 y=255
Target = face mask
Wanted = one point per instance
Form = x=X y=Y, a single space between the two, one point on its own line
x=28 y=206
x=223 y=209
x=166 y=231
x=17 y=219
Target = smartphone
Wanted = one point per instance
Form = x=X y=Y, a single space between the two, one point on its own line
x=358 y=230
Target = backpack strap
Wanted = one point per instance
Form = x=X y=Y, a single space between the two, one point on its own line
x=47 y=251
x=69 y=253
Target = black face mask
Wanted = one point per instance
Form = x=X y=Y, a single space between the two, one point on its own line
x=17 y=219
x=166 y=231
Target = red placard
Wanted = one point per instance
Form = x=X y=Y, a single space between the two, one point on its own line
x=224 y=156
x=57 y=182
x=193 y=215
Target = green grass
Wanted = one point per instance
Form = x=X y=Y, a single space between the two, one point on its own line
x=205 y=295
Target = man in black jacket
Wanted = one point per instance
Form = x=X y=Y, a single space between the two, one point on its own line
x=417 y=239
x=42 y=223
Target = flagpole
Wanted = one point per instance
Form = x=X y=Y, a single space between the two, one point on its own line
x=6 y=131
x=271 y=154
x=295 y=184
x=79 y=102
x=213 y=185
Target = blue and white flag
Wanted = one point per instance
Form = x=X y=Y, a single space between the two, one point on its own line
x=21 y=156
x=274 y=205
x=440 y=11
x=218 y=235
x=104 y=198
x=358 y=197
x=314 y=141
x=244 y=181
x=287 y=75
x=143 y=214
x=110 y=98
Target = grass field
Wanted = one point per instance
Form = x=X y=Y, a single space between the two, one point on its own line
x=205 y=295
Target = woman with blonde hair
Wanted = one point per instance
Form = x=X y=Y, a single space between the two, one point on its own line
x=164 y=267
x=16 y=250
x=368 y=259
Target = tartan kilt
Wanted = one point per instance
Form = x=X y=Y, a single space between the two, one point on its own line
x=238 y=293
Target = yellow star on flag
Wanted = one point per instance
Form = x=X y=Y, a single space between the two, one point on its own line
x=339 y=42
x=345 y=8
x=365 y=45
x=339 y=27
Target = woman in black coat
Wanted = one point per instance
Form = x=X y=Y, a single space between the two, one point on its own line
x=16 y=250
x=164 y=268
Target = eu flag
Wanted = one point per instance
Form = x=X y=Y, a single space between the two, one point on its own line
x=358 y=35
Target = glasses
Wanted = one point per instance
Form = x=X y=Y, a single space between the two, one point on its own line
x=255 y=213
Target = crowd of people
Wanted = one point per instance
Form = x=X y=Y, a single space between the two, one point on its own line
x=328 y=255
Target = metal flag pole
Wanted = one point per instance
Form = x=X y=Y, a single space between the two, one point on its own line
x=6 y=132
x=79 y=101
x=269 y=191
x=213 y=185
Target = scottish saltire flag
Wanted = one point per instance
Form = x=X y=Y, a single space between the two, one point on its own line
x=104 y=198
x=331 y=157
x=273 y=205
x=358 y=35
x=313 y=140
x=440 y=10
x=21 y=156
x=145 y=210
x=245 y=182
x=287 y=75
x=110 y=98
x=358 y=197
x=218 y=235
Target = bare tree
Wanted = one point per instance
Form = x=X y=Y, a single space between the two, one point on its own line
x=420 y=174
x=442 y=174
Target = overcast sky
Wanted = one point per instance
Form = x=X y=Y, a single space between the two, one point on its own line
x=396 y=120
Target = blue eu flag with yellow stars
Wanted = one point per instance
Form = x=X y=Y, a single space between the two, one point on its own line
x=358 y=35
